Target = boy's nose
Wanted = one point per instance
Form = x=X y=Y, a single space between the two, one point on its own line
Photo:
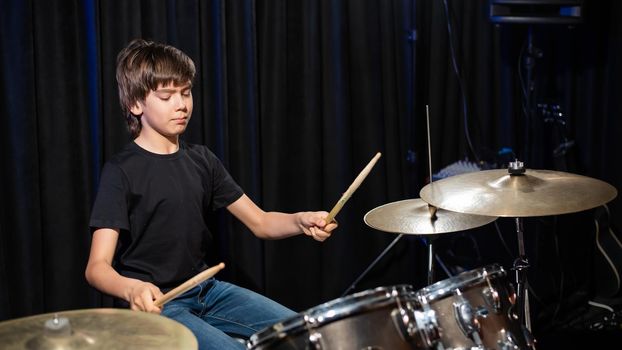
x=181 y=102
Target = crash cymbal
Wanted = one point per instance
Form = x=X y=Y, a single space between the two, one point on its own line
x=95 y=329
x=533 y=193
x=412 y=216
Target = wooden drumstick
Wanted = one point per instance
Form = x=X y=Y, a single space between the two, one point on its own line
x=184 y=287
x=357 y=182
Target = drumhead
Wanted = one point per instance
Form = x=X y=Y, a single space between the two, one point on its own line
x=465 y=279
x=332 y=311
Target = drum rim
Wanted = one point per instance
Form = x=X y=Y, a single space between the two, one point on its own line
x=337 y=309
x=468 y=278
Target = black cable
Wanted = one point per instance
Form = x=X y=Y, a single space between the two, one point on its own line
x=460 y=82
x=505 y=245
x=521 y=80
x=561 y=268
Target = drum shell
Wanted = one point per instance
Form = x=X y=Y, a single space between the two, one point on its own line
x=360 y=321
x=495 y=324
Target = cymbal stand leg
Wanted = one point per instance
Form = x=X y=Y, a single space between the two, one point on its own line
x=520 y=267
x=384 y=252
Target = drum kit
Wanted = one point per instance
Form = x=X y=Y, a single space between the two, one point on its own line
x=476 y=309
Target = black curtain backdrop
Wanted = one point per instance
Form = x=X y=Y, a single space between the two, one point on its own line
x=296 y=97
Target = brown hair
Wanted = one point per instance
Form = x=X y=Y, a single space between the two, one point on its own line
x=144 y=65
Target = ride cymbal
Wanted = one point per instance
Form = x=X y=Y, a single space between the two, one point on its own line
x=533 y=193
x=96 y=329
x=413 y=216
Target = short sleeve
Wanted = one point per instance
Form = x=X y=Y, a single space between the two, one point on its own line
x=110 y=209
x=226 y=190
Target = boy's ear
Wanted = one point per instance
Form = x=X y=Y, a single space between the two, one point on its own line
x=137 y=109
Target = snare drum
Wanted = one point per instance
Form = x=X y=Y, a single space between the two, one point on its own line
x=474 y=310
x=374 y=319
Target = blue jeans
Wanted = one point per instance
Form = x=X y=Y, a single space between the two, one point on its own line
x=214 y=310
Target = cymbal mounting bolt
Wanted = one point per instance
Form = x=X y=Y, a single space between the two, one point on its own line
x=516 y=167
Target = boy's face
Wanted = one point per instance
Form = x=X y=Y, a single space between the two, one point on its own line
x=166 y=110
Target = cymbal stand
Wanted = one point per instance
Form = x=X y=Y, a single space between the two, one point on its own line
x=430 y=261
x=430 y=242
x=517 y=168
x=431 y=208
x=520 y=267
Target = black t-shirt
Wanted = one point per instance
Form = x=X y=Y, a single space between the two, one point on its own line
x=160 y=205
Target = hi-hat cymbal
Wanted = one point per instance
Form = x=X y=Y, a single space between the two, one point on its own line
x=96 y=329
x=412 y=216
x=534 y=193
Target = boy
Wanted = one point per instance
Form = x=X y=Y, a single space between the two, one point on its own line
x=149 y=216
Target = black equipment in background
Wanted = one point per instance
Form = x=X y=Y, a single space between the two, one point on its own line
x=558 y=135
x=536 y=11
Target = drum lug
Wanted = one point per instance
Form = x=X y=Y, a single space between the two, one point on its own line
x=491 y=295
x=511 y=294
x=315 y=341
x=418 y=327
x=511 y=313
x=467 y=320
x=507 y=341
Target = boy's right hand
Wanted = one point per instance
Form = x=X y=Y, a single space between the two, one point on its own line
x=142 y=295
